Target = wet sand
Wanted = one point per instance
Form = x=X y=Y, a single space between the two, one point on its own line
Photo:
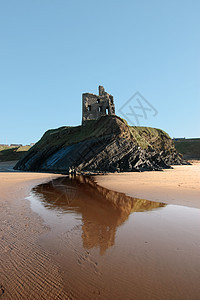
x=179 y=186
x=112 y=246
x=72 y=239
x=27 y=271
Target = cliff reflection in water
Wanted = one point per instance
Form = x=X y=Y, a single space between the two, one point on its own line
x=102 y=210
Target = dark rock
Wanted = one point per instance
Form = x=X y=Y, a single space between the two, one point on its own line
x=105 y=145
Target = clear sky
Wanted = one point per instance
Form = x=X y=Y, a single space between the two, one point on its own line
x=52 y=51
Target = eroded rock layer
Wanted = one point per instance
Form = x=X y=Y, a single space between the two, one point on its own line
x=105 y=145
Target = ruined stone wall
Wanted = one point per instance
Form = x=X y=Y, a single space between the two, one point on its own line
x=95 y=106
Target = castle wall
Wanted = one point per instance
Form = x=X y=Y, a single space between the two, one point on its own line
x=95 y=106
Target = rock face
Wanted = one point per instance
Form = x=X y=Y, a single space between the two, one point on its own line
x=104 y=145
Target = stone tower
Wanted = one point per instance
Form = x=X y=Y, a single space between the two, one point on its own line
x=95 y=106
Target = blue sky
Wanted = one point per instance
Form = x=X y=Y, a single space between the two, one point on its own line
x=53 y=51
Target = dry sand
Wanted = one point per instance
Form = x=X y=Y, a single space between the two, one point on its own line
x=180 y=186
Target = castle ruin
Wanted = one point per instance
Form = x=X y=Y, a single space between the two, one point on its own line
x=95 y=106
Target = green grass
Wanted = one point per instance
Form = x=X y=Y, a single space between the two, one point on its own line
x=64 y=136
x=142 y=136
x=188 y=147
x=8 y=153
x=109 y=125
x=154 y=137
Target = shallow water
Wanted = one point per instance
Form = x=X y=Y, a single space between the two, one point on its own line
x=112 y=246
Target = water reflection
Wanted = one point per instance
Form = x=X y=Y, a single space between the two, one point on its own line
x=102 y=210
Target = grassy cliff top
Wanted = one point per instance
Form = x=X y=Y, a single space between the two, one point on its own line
x=190 y=148
x=144 y=137
x=153 y=137
x=106 y=126
x=12 y=153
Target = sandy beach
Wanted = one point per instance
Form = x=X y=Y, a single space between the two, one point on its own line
x=179 y=186
x=91 y=251
x=26 y=270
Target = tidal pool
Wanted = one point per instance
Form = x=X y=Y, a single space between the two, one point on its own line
x=112 y=246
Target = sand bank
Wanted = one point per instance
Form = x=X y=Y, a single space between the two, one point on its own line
x=180 y=186
x=27 y=271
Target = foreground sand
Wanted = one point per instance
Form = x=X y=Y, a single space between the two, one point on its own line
x=37 y=262
x=27 y=271
x=180 y=186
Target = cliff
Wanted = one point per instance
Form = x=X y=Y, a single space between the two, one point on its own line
x=189 y=148
x=8 y=153
x=105 y=145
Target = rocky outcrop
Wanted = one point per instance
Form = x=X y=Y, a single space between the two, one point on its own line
x=105 y=145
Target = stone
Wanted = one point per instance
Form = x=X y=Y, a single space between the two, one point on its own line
x=101 y=147
x=96 y=106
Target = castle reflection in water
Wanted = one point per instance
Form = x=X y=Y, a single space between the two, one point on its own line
x=102 y=210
